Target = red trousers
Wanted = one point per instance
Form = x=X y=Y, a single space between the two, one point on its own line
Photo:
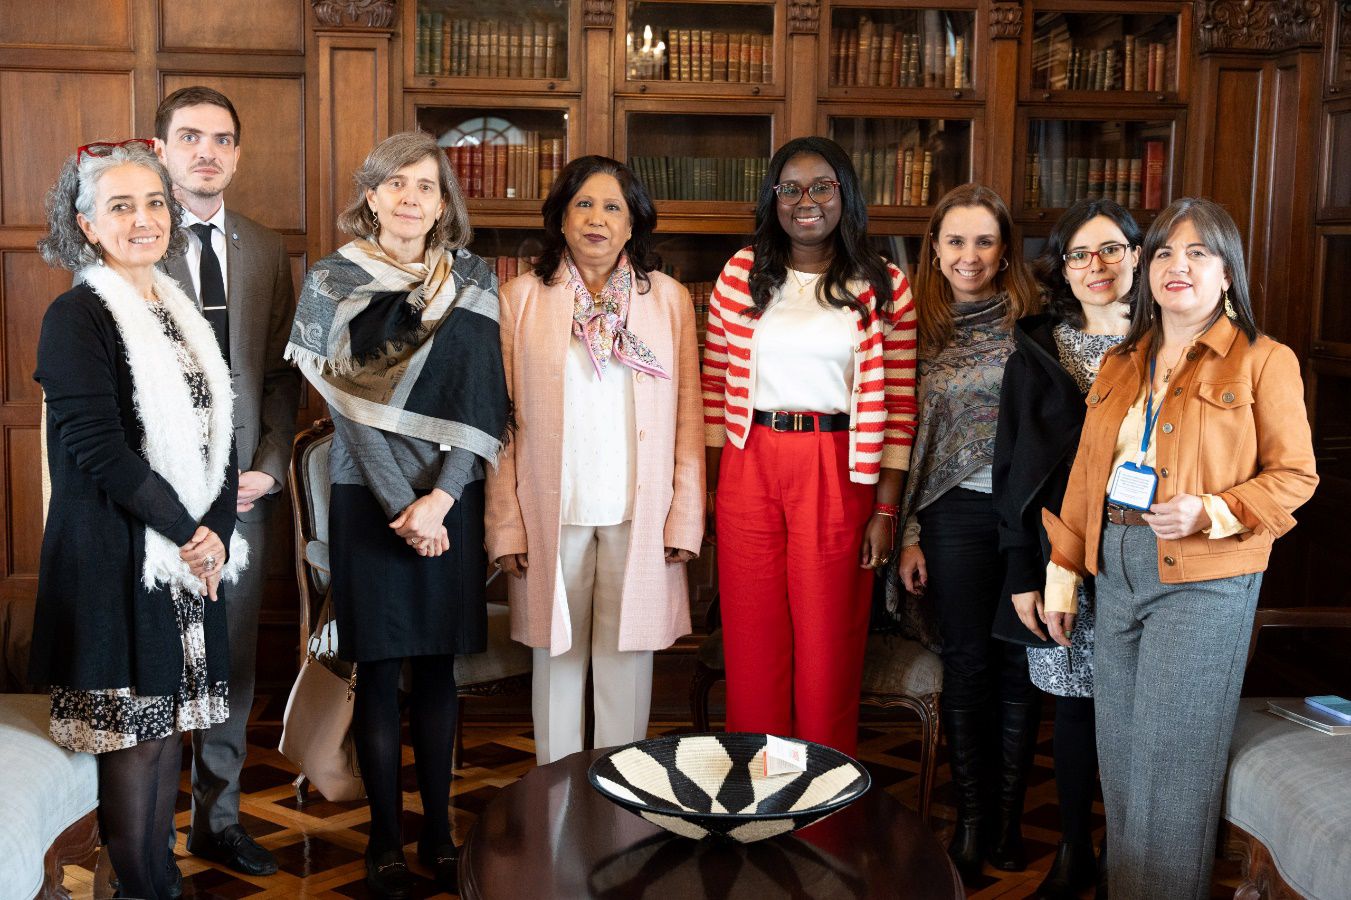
x=795 y=601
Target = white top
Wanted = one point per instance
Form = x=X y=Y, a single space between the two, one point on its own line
x=802 y=353
x=193 y=256
x=600 y=453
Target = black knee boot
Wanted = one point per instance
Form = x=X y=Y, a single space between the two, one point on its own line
x=1019 y=742
x=965 y=729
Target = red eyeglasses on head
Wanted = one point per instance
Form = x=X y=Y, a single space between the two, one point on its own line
x=103 y=148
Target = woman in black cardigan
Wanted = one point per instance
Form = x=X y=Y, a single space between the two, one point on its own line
x=143 y=482
x=1087 y=269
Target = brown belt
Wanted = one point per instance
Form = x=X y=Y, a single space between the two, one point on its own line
x=1122 y=515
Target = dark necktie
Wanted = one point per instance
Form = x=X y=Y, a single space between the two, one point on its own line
x=212 y=290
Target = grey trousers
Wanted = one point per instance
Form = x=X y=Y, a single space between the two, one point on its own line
x=1168 y=667
x=218 y=752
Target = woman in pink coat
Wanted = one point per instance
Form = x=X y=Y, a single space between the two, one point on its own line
x=597 y=502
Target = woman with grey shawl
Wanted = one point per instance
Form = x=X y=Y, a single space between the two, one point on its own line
x=969 y=290
x=397 y=330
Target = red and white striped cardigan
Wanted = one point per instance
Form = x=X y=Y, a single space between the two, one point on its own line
x=883 y=409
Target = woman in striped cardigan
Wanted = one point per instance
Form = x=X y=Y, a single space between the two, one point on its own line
x=809 y=376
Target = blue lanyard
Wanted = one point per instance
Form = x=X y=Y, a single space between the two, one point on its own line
x=1151 y=415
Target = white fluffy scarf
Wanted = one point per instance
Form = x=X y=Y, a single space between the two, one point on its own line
x=164 y=406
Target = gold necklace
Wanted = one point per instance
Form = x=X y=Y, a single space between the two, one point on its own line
x=802 y=281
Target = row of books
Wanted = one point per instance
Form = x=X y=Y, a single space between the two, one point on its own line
x=700 y=293
x=701 y=178
x=525 y=170
x=488 y=48
x=508 y=267
x=693 y=54
x=1056 y=182
x=896 y=176
x=883 y=56
x=1130 y=65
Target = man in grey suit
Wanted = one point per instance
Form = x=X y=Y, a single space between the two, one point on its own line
x=239 y=273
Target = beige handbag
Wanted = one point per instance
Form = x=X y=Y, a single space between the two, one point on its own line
x=316 y=727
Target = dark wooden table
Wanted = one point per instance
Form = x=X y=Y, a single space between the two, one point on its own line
x=552 y=835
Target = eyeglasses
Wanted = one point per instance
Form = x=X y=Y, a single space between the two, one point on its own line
x=790 y=193
x=103 y=148
x=1109 y=255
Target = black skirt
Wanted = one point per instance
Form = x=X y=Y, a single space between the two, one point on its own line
x=391 y=603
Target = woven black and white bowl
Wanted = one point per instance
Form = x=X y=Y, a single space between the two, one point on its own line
x=706 y=785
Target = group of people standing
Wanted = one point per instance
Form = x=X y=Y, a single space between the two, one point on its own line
x=558 y=428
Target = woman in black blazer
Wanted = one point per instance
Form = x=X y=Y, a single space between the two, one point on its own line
x=139 y=530
x=1087 y=269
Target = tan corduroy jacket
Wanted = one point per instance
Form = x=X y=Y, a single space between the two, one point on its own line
x=523 y=502
x=1232 y=423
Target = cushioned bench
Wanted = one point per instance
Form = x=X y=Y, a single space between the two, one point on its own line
x=47 y=800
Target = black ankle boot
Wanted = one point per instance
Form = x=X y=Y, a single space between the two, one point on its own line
x=964 y=729
x=1074 y=870
x=1018 y=741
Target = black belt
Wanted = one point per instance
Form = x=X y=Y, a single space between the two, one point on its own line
x=802 y=421
x=1124 y=515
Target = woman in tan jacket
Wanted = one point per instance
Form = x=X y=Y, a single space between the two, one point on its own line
x=598 y=501
x=1194 y=453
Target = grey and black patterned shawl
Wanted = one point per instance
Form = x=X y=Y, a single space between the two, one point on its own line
x=410 y=349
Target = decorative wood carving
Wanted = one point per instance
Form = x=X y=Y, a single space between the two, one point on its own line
x=804 y=16
x=1006 y=21
x=1261 y=879
x=1262 y=25
x=363 y=13
x=598 y=14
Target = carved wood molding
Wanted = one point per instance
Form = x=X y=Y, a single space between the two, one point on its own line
x=1258 y=25
x=598 y=14
x=804 y=16
x=354 y=13
x=1006 y=21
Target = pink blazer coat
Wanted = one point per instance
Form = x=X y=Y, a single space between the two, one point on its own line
x=523 y=493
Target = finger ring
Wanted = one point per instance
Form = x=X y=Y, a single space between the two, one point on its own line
x=209 y=563
x=884 y=560
x=876 y=560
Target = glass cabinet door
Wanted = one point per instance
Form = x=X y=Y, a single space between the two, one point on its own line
x=500 y=152
x=1069 y=160
x=1105 y=52
x=699 y=42
x=694 y=156
x=904 y=161
x=900 y=48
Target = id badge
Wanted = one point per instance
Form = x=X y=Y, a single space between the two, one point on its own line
x=1133 y=486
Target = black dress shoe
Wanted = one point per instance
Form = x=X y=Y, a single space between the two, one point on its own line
x=444 y=861
x=387 y=875
x=233 y=848
x=175 y=882
x=1073 y=871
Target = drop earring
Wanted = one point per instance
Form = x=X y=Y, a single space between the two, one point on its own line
x=1229 y=307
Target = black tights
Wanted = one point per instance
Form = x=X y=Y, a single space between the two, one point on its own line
x=375 y=730
x=137 y=789
x=1076 y=767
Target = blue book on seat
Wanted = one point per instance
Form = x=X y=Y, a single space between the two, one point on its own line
x=1337 y=707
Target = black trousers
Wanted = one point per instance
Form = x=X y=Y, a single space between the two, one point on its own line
x=960 y=539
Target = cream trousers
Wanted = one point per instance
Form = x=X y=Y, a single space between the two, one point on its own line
x=591 y=559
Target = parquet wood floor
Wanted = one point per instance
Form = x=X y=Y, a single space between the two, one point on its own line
x=319 y=845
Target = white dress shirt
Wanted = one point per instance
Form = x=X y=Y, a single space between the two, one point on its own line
x=600 y=452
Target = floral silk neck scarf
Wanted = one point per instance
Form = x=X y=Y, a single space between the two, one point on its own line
x=600 y=321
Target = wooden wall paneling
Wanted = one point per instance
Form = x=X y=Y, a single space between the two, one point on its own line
x=23 y=503
x=81 y=24
x=803 y=52
x=354 y=115
x=1005 y=25
x=277 y=26
x=1226 y=158
x=269 y=184
x=27 y=287
x=599 y=78
x=1283 y=256
x=47 y=114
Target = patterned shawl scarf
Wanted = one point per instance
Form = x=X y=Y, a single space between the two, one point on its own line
x=958 y=414
x=408 y=348
x=600 y=322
